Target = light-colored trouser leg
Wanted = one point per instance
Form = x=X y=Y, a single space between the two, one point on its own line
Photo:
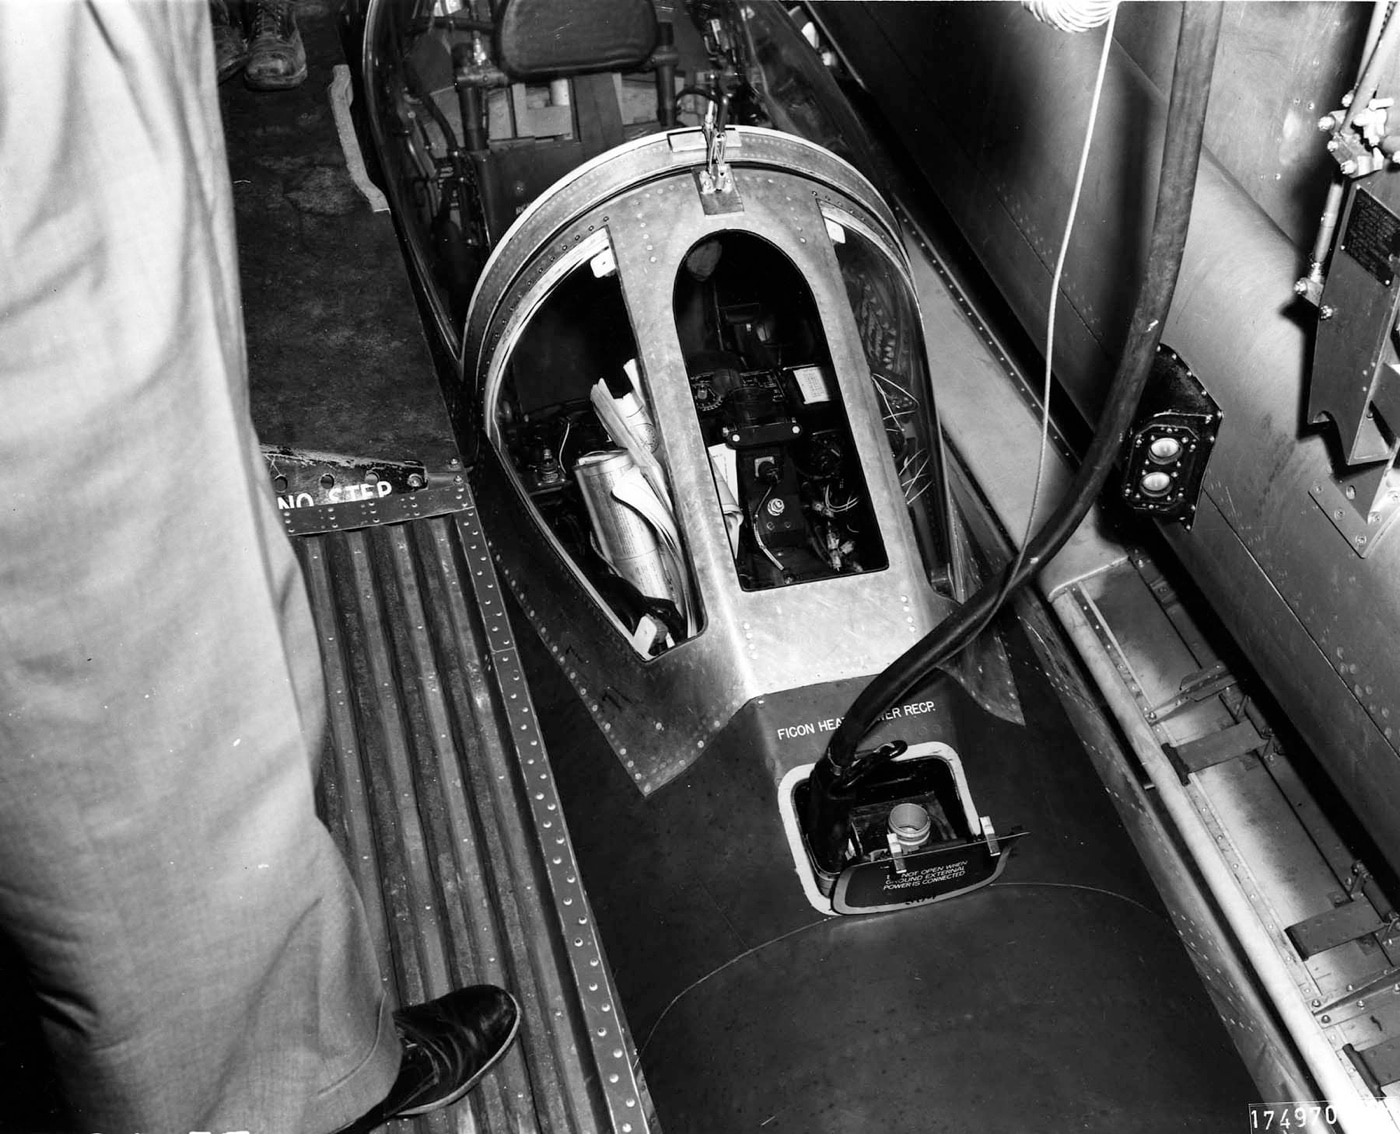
x=199 y=949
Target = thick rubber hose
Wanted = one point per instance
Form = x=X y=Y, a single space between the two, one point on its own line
x=1181 y=152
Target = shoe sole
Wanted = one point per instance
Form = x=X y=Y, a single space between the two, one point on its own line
x=456 y=1095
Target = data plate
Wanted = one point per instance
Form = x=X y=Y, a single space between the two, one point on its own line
x=929 y=876
x=1372 y=236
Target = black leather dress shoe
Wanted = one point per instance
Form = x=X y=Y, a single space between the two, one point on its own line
x=448 y=1045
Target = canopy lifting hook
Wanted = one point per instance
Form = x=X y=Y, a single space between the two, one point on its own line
x=716 y=177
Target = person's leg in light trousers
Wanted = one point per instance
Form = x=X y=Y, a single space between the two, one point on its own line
x=199 y=950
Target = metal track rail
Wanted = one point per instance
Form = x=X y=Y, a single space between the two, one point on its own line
x=436 y=784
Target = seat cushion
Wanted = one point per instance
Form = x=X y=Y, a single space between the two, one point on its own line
x=551 y=39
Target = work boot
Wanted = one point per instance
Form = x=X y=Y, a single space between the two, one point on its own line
x=230 y=48
x=276 y=57
x=448 y=1045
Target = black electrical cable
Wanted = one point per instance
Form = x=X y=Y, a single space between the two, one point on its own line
x=417 y=90
x=698 y=92
x=1181 y=150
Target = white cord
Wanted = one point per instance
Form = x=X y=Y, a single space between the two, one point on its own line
x=1072 y=15
x=758 y=537
x=1055 y=289
x=568 y=425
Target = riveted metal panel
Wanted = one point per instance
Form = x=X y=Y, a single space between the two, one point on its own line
x=660 y=714
x=437 y=786
x=1272 y=549
x=591 y=185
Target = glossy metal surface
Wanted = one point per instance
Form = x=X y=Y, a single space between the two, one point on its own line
x=1318 y=621
x=1349 y=371
x=660 y=714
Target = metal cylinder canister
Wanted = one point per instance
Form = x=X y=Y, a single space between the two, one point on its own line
x=625 y=540
x=910 y=824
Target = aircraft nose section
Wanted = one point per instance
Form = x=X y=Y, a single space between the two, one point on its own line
x=698 y=371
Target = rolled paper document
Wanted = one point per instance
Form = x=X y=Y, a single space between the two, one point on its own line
x=610 y=413
x=722 y=468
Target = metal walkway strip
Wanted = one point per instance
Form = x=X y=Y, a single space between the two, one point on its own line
x=436 y=784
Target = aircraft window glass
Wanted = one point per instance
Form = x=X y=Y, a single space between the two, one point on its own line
x=784 y=463
x=571 y=421
x=414 y=112
x=887 y=317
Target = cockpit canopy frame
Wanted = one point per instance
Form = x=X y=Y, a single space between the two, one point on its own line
x=636 y=215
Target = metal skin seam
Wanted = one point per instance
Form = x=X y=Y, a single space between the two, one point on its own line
x=606 y=1031
x=650 y=763
x=1018 y=381
x=1338 y=1083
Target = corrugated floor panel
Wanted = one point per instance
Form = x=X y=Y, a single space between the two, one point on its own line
x=436 y=784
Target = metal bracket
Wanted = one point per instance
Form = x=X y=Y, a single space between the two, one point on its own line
x=1194 y=687
x=717 y=192
x=1378 y=996
x=1347 y=922
x=304 y=479
x=1350 y=357
x=716 y=180
x=990 y=834
x=896 y=854
x=1170 y=442
x=1361 y=505
x=1378 y=1065
x=1213 y=748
